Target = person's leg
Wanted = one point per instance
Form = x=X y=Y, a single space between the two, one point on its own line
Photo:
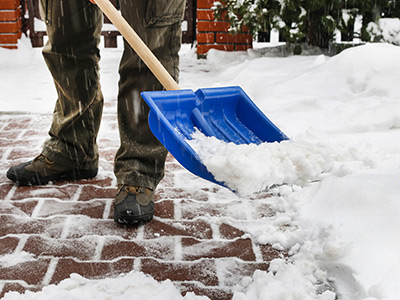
x=141 y=157
x=72 y=55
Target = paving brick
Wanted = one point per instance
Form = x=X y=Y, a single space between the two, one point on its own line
x=20 y=143
x=90 y=192
x=31 y=133
x=268 y=253
x=41 y=123
x=213 y=293
x=12 y=135
x=83 y=226
x=18 y=123
x=167 y=182
x=32 y=272
x=92 y=209
x=3 y=177
x=232 y=271
x=203 y=271
x=262 y=210
x=23 y=154
x=114 y=248
x=5 y=189
x=193 y=249
x=229 y=232
x=233 y=209
x=92 y=270
x=240 y=209
x=8 y=244
x=16 y=287
x=260 y=195
x=171 y=159
x=165 y=209
x=2 y=151
x=199 y=229
x=23 y=208
x=66 y=192
x=106 y=152
x=180 y=194
x=5 y=166
x=24 y=225
x=100 y=180
x=82 y=249
x=161 y=248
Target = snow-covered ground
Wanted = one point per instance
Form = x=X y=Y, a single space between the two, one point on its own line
x=337 y=201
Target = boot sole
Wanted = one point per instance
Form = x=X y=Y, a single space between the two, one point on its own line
x=130 y=220
x=36 y=179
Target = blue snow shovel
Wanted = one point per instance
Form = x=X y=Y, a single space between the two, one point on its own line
x=226 y=113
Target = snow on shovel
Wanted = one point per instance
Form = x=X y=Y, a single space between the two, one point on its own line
x=226 y=113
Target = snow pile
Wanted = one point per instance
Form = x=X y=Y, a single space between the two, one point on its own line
x=348 y=209
x=285 y=281
x=364 y=208
x=134 y=286
x=252 y=168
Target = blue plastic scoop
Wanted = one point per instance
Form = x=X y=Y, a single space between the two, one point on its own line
x=226 y=113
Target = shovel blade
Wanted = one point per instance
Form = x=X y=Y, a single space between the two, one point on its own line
x=226 y=113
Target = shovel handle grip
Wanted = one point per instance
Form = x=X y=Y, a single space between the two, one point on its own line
x=138 y=45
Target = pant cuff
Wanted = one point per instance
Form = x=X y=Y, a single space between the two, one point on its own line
x=62 y=160
x=135 y=180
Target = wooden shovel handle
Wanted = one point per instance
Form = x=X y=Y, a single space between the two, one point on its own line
x=138 y=45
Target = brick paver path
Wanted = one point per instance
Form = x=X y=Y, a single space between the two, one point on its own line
x=67 y=227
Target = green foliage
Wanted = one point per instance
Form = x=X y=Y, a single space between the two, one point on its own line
x=305 y=21
x=292 y=21
x=256 y=15
x=346 y=23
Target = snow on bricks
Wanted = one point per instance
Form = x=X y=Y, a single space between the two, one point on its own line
x=49 y=232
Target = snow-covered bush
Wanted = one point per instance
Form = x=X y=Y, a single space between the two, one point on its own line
x=386 y=30
x=256 y=15
x=309 y=21
x=298 y=21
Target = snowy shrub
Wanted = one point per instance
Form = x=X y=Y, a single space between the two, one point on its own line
x=346 y=23
x=386 y=30
x=308 y=21
x=298 y=20
x=256 y=15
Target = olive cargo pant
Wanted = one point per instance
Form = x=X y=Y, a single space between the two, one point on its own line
x=72 y=56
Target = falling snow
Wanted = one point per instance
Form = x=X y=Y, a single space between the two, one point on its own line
x=337 y=198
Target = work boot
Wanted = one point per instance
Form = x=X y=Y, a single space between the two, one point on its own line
x=133 y=205
x=41 y=170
